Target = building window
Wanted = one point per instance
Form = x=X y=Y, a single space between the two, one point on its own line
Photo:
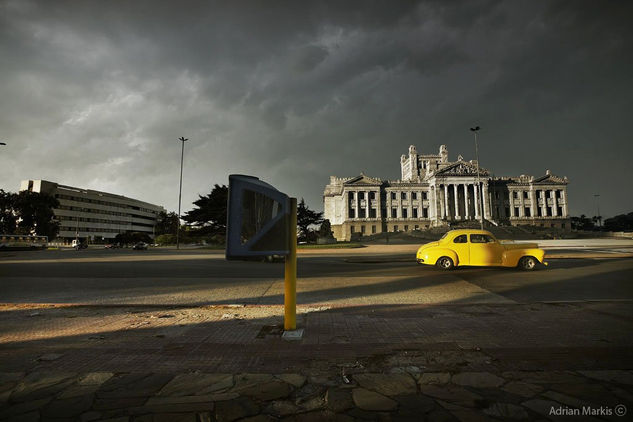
x=372 y=213
x=425 y=213
x=362 y=229
x=395 y=228
x=539 y=211
x=406 y=228
x=516 y=211
x=403 y=195
x=549 y=211
x=394 y=212
x=393 y=195
x=559 y=211
x=559 y=194
x=415 y=213
x=404 y=213
x=414 y=195
x=416 y=227
x=352 y=213
x=373 y=229
x=424 y=195
x=361 y=195
x=527 y=211
x=351 y=229
x=362 y=213
x=515 y=194
x=525 y=194
x=372 y=195
x=350 y=196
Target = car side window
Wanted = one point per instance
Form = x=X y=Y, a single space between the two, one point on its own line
x=461 y=239
x=489 y=239
x=477 y=238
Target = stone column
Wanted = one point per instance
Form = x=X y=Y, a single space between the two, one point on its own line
x=367 y=204
x=476 y=198
x=446 y=207
x=456 y=193
x=563 y=196
x=466 y=210
x=533 y=203
x=486 y=202
x=554 y=204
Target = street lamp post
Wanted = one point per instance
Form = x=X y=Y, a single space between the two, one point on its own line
x=481 y=193
x=182 y=154
x=597 y=196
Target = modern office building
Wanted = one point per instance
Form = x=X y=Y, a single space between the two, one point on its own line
x=435 y=191
x=93 y=215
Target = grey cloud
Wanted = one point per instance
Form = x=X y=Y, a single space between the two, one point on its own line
x=96 y=94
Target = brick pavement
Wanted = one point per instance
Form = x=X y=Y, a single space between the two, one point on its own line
x=390 y=362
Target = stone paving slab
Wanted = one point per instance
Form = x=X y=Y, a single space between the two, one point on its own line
x=409 y=362
x=350 y=398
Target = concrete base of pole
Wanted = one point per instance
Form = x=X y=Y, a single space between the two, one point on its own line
x=293 y=335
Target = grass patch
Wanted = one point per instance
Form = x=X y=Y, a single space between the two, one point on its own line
x=332 y=246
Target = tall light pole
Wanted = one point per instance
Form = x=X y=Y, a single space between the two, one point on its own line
x=597 y=196
x=182 y=154
x=481 y=193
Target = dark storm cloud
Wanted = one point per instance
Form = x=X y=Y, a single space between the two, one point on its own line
x=96 y=94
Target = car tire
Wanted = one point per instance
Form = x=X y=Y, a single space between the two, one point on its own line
x=445 y=263
x=527 y=263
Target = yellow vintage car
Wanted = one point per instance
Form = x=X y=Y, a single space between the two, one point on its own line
x=479 y=248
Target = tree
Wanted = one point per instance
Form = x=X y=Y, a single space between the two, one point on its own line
x=582 y=223
x=621 y=222
x=8 y=219
x=35 y=213
x=209 y=216
x=306 y=218
x=166 y=223
x=325 y=230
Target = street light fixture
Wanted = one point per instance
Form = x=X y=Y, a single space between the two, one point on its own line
x=182 y=154
x=481 y=195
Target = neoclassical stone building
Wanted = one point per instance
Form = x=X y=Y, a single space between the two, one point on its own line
x=436 y=192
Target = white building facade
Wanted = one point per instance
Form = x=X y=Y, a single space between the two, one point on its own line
x=97 y=216
x=437 y=192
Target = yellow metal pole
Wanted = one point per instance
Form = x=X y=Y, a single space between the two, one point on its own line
x=290 y=281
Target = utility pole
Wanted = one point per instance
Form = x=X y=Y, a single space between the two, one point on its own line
x=481 y=193
x=182 y=154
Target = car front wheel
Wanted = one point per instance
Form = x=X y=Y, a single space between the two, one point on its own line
x=444 y=263
x=527 y=263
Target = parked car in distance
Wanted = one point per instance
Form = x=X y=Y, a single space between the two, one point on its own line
x=140 y=246
x=479 y=248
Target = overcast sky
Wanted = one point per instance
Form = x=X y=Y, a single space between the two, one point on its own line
x=96 y=94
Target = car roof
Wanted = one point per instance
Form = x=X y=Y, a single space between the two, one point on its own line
x=467 y=231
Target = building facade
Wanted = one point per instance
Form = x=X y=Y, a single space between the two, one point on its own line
x=434 y=192
x=97 y=216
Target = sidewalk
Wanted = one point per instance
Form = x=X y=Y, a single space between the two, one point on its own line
x=389 y=362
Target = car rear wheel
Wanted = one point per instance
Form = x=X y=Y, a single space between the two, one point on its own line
x=527 y=263
x=444 y=263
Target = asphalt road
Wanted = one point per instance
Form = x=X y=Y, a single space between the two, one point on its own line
x=204 y=277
